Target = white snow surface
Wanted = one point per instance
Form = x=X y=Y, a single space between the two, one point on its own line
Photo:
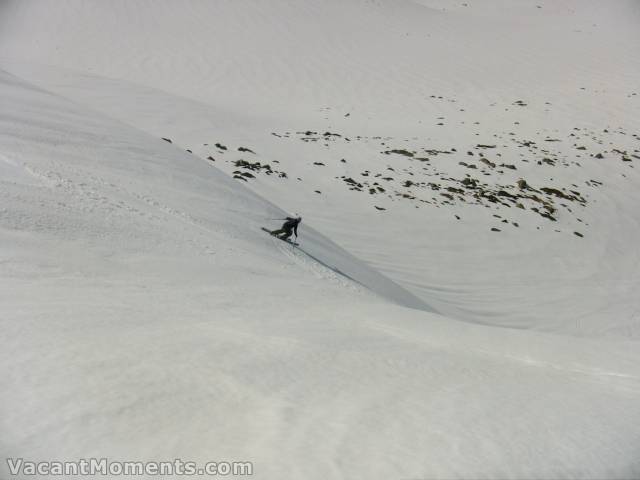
x=146 y=316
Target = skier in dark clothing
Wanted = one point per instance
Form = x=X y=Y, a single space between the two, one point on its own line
x=288 y=227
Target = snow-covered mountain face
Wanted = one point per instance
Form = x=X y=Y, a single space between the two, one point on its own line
x=399 y=128
x=474 y=159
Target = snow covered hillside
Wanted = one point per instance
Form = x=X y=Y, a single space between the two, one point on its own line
x=465 y=299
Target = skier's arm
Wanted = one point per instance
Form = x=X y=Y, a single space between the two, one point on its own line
x=295 y=230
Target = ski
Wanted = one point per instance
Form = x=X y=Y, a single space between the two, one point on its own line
x=290 y=242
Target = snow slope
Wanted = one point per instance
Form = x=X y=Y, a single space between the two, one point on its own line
x=146 y=316
x=409 y=75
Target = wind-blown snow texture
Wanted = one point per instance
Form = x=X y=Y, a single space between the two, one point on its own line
x=465 y=299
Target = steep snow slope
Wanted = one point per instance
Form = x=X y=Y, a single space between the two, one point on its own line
x=537 y=80
x=247 y=211
x=145 y=317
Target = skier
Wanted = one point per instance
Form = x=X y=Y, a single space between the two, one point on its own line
x=288 y=227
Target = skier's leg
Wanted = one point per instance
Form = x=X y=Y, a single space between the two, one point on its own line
x=277 y=232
